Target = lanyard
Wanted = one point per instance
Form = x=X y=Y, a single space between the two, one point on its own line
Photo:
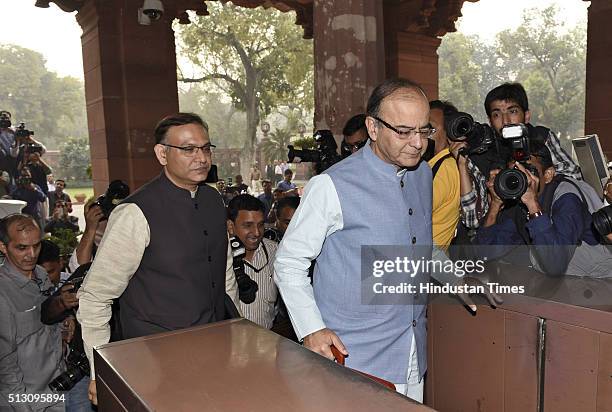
x=265 y=264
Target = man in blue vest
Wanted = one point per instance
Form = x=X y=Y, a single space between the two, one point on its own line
x=381 y=195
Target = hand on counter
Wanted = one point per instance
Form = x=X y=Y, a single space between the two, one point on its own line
x=321 y=342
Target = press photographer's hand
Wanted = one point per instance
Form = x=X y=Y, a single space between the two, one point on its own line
x=495 y=199
x=530 y=197
x=68 y=297
x=92 y=217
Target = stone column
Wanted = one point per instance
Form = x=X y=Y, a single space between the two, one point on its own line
x=414 y=56
x=349 y=59
x=130 y=84
x=598 y=113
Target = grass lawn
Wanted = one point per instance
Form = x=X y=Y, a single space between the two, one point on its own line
x=72 y=191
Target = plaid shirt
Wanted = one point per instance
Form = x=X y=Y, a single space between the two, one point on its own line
x=475 y=204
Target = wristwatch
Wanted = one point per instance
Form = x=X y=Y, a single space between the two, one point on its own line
x=535 y=214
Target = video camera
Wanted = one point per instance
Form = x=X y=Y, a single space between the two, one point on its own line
x=512 y=183
x=115 y=193
x=22 y=132
x=461 y=127
x=324 y=156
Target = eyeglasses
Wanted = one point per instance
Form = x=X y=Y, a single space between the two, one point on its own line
x=408 y=132
x=192 y=150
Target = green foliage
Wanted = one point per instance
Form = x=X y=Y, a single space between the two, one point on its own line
x=66 y=239
x=256 y=57
x=74 y=160
x=275 y=145
x=53 y=107
x=308 y=143
x=541 y=54
x=227 y=125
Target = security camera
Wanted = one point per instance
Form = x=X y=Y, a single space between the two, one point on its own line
x=151 y=10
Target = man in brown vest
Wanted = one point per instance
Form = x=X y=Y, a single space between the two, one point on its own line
x=164 y=251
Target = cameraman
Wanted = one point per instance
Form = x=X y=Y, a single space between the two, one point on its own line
x=553 y=217
x=8 y=149
x=505 y=104
x=30 y=352
x=355 y=135
x=38 y=169
x=61 y=220
x=30 y=193
x=445 y=212
x=246 y=222
x=59 y=194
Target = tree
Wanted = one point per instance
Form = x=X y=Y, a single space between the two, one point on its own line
x=74 y=160
x=274 y=147
x=226 y=124
x=52 y=106
x=552 y=68
x=256 y=56
x=541 y=54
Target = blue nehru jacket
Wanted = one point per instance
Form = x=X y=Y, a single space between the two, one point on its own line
x=379 y=207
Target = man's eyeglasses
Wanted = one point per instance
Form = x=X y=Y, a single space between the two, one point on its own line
x=408 y=132
x=192 y=150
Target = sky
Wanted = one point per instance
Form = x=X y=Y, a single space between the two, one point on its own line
x=57 y=35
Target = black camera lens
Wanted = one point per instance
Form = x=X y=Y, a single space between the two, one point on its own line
x=602 y=220
x=458 y=126
x=510 y=184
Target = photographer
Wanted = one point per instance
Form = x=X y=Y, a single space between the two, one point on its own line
x=553 y=216
x=30 y=193
x=355 y=135
x=60 y=308
x=38 y=169
x=505 y=104
x=30 y=352
x=445 y=211
x=8 y=149
x=246 y=222
x=59 y=194
x=61 y=220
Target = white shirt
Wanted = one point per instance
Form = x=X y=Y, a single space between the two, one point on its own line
x=261 y=311
x=303 y=242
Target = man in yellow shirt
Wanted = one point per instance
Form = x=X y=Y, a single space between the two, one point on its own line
x=446 y=195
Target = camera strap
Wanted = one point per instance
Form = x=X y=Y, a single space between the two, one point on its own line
x=551 y=188
x=246 y=263
x=437 y=165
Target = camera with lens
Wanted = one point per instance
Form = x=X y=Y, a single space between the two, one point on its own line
x=602 y=220
x=78 y=368
x=115 y=193
x=461 y=127
x=511 y=184
x=324 y=156
x=24 y=180
x=247 y=287
x=21 y=131
x=273 y=234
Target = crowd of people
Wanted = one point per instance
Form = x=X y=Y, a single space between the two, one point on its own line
x=25 y=176
x=179 y=253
